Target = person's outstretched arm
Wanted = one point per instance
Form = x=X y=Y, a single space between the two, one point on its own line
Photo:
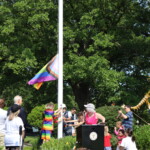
x=122 y=114
x=99 y=116
x=121 y=148
x=79 y=124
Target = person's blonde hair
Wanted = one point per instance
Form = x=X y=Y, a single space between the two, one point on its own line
x=13 y=115
x=106 y=130
x=119 y=122
x=49 y=105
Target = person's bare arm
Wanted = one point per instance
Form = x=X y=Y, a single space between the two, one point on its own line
x=72 y=121
x=121 y=148
x=122 y=115
x=99 y=116
x=23 y=134
x=67 y=119
x=78 y=124
x=59 y=110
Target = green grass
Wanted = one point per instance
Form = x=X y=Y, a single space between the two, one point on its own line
x=31 y=139
x=31 y=143
x=27 y=148
x=1 y=148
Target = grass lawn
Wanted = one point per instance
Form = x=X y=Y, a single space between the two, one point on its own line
x=27 y=148
x=31 y=142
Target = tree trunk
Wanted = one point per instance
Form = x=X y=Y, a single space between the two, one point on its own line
x=81 y=92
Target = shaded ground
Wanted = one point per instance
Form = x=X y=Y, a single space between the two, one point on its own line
x=31 y=142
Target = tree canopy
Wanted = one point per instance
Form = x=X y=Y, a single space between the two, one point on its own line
x=106 y=50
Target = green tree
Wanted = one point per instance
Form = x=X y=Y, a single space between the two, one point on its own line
x=27 y=43
x=106 y=50
x=108 y=32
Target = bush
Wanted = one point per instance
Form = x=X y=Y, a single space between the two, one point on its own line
x=33 y=141
x=110 y=113
x=113 y=141
x=142 y=135
x=66 y=143
x=35 y=118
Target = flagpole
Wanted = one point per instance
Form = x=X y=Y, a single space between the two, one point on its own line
x=60 y=64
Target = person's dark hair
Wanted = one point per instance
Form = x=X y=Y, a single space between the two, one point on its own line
x=74 y=108
x=2 y=102
x=80 y=114
x=14 y=108
x=128 y=106
x=130 y=134
x=122 y=131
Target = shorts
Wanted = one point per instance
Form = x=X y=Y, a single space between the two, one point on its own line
x=67 y=131
x=107 y=148
x=12 y=147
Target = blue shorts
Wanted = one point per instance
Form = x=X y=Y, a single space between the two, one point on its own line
x=107 y=148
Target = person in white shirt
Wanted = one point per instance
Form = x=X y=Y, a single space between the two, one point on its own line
x=128 y=143
x=3 y=116
x=67 y=130
x=14 y=129
x=73 y=117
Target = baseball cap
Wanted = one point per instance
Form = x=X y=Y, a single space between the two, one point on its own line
x=64 y=106
x=90 y=105
x=14 y=108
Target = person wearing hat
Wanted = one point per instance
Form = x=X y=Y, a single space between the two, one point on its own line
x=67 y=130
x=91 y=116
x=13 y=126
x=3 y=116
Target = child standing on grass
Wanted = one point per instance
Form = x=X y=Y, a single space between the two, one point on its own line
x=107 y=138
x=50 y=118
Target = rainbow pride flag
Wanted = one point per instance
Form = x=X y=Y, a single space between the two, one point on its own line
x=48 y=73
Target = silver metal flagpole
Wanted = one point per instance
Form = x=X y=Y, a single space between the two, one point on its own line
x=60 y=64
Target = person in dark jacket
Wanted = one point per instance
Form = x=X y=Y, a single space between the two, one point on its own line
x=18 y=101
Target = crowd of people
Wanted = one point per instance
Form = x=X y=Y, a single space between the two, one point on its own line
x=123 y=131
x=71 y=120
x=13 y=123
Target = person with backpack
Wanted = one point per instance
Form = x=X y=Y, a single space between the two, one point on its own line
x=13 y=125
